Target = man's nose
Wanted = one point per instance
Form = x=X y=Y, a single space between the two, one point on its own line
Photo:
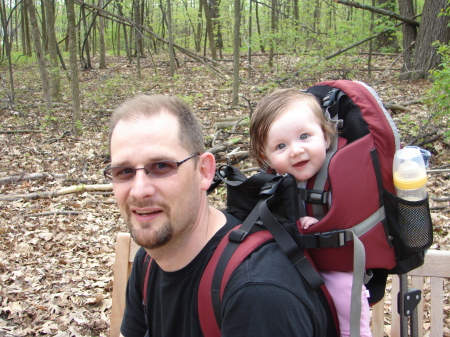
x=142 y=185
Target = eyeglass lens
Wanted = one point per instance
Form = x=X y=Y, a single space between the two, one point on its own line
x=160 y=169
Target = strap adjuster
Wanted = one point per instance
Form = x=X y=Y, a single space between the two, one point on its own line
x=314 y=196
x=331 y=239
x=237 y=236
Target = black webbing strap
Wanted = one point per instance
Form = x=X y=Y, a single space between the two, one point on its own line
x=235 y=238
x=288 y=245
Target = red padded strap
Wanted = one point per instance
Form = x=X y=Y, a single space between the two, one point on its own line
x=205 y=305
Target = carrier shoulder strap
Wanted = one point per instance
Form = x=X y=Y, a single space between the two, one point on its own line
x=144 y=277
x=235 y=248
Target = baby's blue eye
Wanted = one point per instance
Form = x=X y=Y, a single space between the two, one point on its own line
x=281 y=146
x=303 y=136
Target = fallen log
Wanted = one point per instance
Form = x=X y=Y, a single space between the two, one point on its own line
x=231 y=124
x=21 y=131
x=32 y=176
x=63 y=191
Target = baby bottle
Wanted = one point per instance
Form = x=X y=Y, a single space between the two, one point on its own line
x=410 y=176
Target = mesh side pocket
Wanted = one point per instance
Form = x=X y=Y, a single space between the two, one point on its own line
x=409 y=224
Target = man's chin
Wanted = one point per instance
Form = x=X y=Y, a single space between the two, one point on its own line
x=150 y=239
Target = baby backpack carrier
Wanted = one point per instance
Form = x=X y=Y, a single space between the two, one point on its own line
x=365 y=228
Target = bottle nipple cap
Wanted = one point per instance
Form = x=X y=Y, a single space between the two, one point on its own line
x=410 y=175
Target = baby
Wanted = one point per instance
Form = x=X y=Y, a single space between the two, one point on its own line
x=290 y=134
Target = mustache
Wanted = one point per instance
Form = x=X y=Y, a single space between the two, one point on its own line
x=149 y=203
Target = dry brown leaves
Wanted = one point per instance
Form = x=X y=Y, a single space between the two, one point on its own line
x=56 y=267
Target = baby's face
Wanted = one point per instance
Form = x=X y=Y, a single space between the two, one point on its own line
x=296 y=143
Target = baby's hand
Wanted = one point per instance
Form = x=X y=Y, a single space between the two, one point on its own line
x=307 y=221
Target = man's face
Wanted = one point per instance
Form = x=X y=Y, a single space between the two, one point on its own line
x=157 y=210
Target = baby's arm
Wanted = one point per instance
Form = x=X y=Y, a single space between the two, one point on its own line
x=307 y=221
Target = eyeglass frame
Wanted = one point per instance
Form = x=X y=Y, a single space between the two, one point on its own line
x=107 y=172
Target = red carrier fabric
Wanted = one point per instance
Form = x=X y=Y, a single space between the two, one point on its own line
x=355 y=191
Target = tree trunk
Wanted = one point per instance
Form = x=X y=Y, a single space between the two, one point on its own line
x=76 y=118
x=40 y=57
x=273 y=25
x=86 y=46
x=249 y=53
x=237 y=27
x=433 y=28
x=169 y=28
x=7 y=45
x=215 y=20
x=44 y=27
x=137 y=39
x=406 y=9
x=26 y=44
x=209 y=30
x=101 y=30
x=198 y=39
x=258 y=27
x=52 y=49
x=125 y=35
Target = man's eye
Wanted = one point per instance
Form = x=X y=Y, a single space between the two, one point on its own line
x=123 y=171
x=162 y=167
x=304 y=136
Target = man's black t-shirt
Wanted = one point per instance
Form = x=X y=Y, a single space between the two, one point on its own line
x=265 y=296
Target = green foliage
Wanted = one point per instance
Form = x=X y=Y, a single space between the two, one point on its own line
x=439 y=94
x=49 y=120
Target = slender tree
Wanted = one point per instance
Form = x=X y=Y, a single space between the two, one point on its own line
x=171 y=50
x=258 y=28
x=249 y=51
x=40 y=57
x=406 y=9
x=7 y=45
x=237 y=44
x=125 y=35
x=273 y=27
x=137 y=38
x=198 y=37
x=210 y=30
x=101 y=36
x=26 y=43
x=76 y=115
x=52 y=49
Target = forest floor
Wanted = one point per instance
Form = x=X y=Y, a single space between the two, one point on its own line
x=57 y=251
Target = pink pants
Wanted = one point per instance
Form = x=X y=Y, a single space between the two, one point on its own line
x=339 y=285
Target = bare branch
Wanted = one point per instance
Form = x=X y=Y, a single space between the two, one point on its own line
x=379 y=11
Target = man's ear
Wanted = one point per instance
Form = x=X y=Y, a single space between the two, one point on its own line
x=207 y=168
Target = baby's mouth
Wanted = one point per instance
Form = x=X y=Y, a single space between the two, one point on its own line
x=300 y=164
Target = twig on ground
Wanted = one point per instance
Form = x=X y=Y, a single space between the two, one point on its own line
x=63 y=191
x=32 y=176
x=52 y=213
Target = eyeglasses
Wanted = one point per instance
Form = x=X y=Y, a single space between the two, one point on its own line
x=158 y=169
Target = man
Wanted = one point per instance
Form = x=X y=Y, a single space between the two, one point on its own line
x=160 y=174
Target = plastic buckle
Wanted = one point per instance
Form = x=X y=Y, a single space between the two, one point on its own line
x=270 y=187
x=237 y=236
x=317 y=197
x=332 y=239
x=330 y=98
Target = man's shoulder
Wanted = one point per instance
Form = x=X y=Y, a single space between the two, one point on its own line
x=269 y=262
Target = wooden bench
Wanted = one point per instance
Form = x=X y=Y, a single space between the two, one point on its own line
x=434 y=272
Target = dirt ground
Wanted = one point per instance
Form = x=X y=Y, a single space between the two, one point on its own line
x=57 y=251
